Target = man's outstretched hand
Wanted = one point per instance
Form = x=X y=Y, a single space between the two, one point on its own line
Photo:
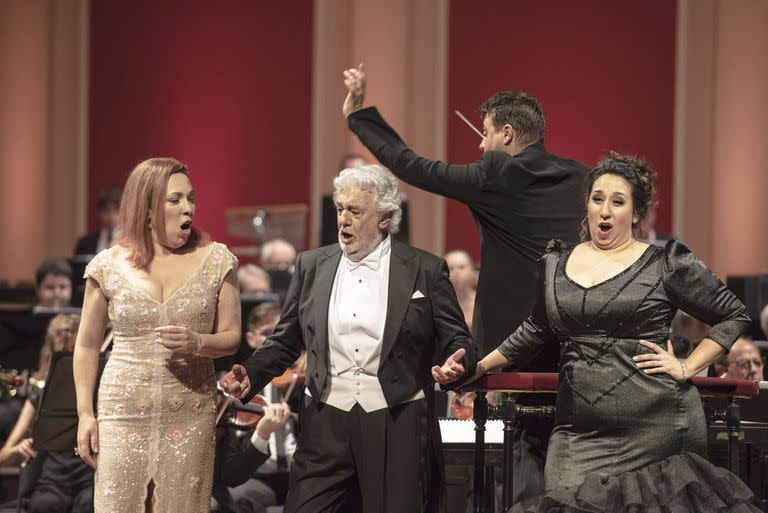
x=354 y=79
x=236 y=382
x=451 y=370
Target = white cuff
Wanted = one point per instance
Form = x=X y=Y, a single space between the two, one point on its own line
x=260 y=444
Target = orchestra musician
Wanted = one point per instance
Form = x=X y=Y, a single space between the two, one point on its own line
x=245 y=477
x=252 y=468
x=65 y=484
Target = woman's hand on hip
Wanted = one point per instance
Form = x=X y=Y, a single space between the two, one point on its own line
x=661 y=361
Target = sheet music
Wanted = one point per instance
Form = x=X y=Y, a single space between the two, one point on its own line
x=457 y=431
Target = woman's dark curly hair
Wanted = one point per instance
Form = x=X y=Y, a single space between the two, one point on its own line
x=636 y=172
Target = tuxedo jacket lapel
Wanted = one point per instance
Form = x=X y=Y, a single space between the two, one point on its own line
x=323 y=285
x=403 y=268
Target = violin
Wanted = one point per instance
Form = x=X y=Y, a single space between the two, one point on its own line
x=234 y=413
x=244 y=417
x=299 y=368
x=462 y=405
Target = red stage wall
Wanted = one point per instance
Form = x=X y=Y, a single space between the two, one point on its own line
x=602 y=70
x=224 y=87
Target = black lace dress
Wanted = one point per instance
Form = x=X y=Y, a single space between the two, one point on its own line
x=624 y=440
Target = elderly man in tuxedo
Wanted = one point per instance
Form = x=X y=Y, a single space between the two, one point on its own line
x=375 y=315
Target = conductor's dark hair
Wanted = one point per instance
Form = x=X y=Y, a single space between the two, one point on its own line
x=519 y=110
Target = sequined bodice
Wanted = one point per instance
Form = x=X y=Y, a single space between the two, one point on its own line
x=135 y=313
x=619 y=307
x=156 y=409
x=600 y=326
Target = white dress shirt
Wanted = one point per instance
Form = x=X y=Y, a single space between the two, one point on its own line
x=356 y=316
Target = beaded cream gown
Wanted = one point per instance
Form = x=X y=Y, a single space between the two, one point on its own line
x=156 y=413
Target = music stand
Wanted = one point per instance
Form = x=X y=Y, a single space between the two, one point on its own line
x=56 y=425
x=22 y=332
x=20 y=294
x=280 y=280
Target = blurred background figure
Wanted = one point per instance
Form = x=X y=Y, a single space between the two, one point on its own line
x=277 y=255
x=719 y=367
x=261 y=323
x=53 y=283
x=681 y=346
x=53 y=289
x=464 y=279
x=65 y=482
x=744 y=361
x=59 y=337
x=252 y=279
x=764 y=321
x=690 y=328
x=277 y=259
x=351 y=160
x=108 y=207
x=646 y=232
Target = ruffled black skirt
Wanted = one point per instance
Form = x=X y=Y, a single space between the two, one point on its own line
x=683 y=483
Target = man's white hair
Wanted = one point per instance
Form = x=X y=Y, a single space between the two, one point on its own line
x=381 y=182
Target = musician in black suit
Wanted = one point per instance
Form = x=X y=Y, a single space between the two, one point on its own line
x=108 y=207
x=520 y=195
x=239 y=456
x=374 y=315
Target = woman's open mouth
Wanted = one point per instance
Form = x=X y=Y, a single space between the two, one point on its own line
x=604 y=228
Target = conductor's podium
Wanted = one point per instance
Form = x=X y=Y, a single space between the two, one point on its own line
x=726 y=394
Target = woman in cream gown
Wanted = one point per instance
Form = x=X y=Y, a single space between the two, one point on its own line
x=173 y=302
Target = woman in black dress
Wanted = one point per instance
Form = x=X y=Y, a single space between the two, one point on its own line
x=630 y=432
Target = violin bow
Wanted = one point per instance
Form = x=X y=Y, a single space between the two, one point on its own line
x=294 y=379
